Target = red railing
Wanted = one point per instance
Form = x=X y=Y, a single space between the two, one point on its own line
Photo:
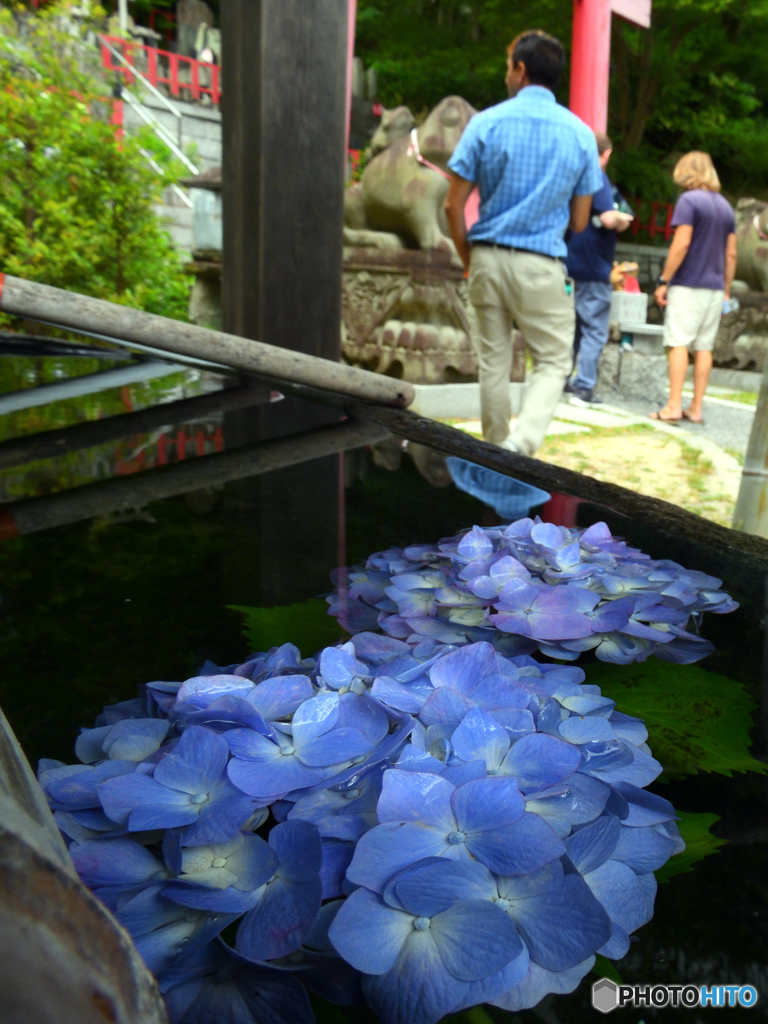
x=160 y=67
x=659 y=218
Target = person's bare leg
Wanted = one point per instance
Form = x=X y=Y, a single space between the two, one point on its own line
x=702 y=366
x=678 y=367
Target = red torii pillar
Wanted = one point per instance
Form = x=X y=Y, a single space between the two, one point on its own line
x=591 y=54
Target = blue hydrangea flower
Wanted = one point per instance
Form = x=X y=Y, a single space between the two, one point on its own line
x=546 y=586
x=216 y=983
x=276 y=885
x=131 y=739
x=478 y=819
x=327 y=732
x=188 y=787
x=424 y=945
x=425 y=815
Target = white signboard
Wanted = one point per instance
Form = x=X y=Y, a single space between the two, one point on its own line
x=636 y=11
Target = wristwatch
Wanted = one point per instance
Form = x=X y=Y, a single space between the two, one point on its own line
x=660 y=280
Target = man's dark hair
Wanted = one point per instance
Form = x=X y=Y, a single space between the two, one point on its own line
x=603 y=143
x=543 y=56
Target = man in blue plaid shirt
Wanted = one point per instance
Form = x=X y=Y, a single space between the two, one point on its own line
x=536 y=167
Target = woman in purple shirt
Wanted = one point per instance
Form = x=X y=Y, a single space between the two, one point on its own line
x=697 y=278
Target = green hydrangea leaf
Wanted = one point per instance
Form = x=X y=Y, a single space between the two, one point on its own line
x=604 y=968
x=306 y=624
x=699 y=843
x=696 y=720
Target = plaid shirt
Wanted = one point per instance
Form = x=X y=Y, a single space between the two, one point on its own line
x=528 y=156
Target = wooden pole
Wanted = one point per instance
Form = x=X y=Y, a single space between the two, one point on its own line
x=73 y=311
x=97 y=499
x=49 y=444
x=283 y=121
x=283 y=169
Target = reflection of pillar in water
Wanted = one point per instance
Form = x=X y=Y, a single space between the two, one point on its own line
x=283 y=177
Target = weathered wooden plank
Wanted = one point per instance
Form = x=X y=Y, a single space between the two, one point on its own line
x=653 y=511
x=63 y=957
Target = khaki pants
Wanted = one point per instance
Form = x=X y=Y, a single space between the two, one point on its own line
x=507 y=286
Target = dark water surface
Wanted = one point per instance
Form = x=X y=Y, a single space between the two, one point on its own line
x=91 y=610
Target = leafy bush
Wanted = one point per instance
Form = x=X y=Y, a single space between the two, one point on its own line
x=77 y=208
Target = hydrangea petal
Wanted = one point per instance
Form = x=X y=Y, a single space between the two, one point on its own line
x=591 y=846
x=280 y=696
x=432 y=887
x=274 y=780
x=563 y=926
x=114 y=862
x=481 y=738
x=393 y=845
x=475 y=939
x=643 y=849
x=196 y=762
x=417 y=797
x=445 y=707
x=619 y=890
x=539 y=761
x=523 y=847
x=461 y=669
x=368 y=933
x=281 y=919
x=141 y=803
x=418 y=988
x=487 y=804
x=335 y=747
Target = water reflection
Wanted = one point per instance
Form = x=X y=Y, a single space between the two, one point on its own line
x=91 y=609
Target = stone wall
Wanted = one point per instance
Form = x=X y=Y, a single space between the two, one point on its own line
x=201 y=141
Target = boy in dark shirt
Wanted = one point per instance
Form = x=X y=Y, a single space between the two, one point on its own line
x=589 y=262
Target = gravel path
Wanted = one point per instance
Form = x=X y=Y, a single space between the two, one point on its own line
x=727 y=425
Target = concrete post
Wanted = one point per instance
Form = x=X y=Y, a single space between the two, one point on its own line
x=751 y=513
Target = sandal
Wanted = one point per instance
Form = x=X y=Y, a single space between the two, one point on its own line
x=687 y=416
x=664 y=419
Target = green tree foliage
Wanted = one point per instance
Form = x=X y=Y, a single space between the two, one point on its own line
x=695 y=80
x=76 y=201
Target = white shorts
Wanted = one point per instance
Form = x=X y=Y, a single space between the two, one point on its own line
x=692 y=317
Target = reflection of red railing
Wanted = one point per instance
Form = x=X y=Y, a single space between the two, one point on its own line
x=137 y=456
x=160 y=67
x=659 y=216
x=355 y=159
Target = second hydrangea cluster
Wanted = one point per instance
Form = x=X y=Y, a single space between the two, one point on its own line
x=534 y=586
